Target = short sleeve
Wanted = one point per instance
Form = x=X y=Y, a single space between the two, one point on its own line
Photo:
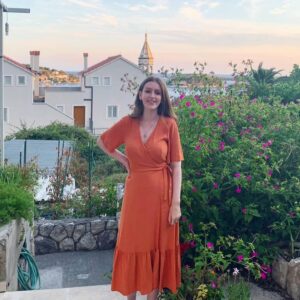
x=175 y=151
x=115 y=135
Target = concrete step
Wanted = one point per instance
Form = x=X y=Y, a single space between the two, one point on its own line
x=97 y=292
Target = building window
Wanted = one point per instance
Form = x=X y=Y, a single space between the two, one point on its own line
x=5 y=114
x=21 y=80
x=95 y=80
x=8 y=80
x=112 y=111
x=106 y=80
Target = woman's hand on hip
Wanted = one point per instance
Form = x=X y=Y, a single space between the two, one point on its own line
x=174 y=214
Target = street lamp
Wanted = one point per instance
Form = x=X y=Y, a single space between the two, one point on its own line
x=4 y=8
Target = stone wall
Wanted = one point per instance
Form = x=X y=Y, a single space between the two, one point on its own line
x=12 y=239
x=75 y=234
x=287 y=275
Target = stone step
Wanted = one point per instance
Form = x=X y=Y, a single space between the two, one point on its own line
x=97 y=292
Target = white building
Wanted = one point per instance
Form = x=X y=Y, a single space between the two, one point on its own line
x=95 y=104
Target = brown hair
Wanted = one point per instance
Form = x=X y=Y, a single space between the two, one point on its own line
x=165 y=106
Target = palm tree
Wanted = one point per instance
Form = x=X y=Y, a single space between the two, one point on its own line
x=261 y=80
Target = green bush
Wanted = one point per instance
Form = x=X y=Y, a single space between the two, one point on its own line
x=15 y=203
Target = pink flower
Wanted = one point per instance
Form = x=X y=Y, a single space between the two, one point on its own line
x=213 y=285
x=249 y=178
x=193 y=244
x=238 y=189
x=188 y=104
x=191 y=228
x=270 y=172
x=269 y=142
x=240 y=258
x=220 y=114
x=220 y=124
x=182 y=96
x=200 y=102
x=259 y=126
x=194 y=189
x=254 y=254
x=263 y=275
x=197 y=98
x=237 y=175
x=204 y=105
x=212 y=103
x=216 y=185
x=244 y=210
x=267 y=157
x=210 y=245
x=266 y=268
x=197 y=147
x=202 y=140
x=192 y=114
x=222 y=146
x=220 y=107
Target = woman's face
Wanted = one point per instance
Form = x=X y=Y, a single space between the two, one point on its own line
x=151 y=95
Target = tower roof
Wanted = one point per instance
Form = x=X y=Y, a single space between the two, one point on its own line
x=146 y=52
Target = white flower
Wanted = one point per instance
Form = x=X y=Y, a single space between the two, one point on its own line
x=235 y=272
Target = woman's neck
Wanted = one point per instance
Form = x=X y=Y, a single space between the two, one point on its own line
x=149 y=115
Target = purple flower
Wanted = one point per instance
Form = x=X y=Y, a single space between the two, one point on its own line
x=182 y=96
x=267 y=157
x=213 y=285
x=194 y=189
x=254 y=254
x=192 y=114
x=263 y=275
x=188 y=104
x=216 y=185
x=237 y=175
x=200 y=102
x=202 y=140
x=212 y=103
x=210 y=245
x=270 y=172
x=197 y=98
x=249 y=178
x=191 y=228
x=220 y=114
x=204 y=105
x=240 y=258
x=220 y=124
x=222 y=146
x=197 y=147
x=238 y=189
x=193 y=244
x=244 y=210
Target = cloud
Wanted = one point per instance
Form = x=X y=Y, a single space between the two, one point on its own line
x=281 y=9
x=153 y=8
x=110 y=20
x=207 y=3
x=252 y=6
x=85 y=4
x=190 y=13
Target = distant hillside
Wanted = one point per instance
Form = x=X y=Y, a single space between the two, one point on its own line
x=51 y=76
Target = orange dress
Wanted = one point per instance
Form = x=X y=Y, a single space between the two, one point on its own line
x=147 y=253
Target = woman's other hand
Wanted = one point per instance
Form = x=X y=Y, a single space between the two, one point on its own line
x=174 y=214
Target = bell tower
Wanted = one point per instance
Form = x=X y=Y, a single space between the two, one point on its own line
x=146 y=57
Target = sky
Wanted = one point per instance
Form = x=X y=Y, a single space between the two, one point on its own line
x=179 y=32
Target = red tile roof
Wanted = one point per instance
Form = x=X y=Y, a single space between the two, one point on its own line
x=100 y=64
x=22 y=66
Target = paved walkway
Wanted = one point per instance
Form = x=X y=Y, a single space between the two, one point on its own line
x=86 y=276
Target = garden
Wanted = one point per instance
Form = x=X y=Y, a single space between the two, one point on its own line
x=241 y=180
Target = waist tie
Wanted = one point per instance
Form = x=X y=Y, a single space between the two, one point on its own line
x=167 y=180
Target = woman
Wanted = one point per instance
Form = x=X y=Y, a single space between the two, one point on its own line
x=147 y=254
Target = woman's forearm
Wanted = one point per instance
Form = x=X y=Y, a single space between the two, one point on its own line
x=177 y=177
x=116 y=154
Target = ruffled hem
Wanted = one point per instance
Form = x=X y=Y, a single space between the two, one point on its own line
x=146 y=271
